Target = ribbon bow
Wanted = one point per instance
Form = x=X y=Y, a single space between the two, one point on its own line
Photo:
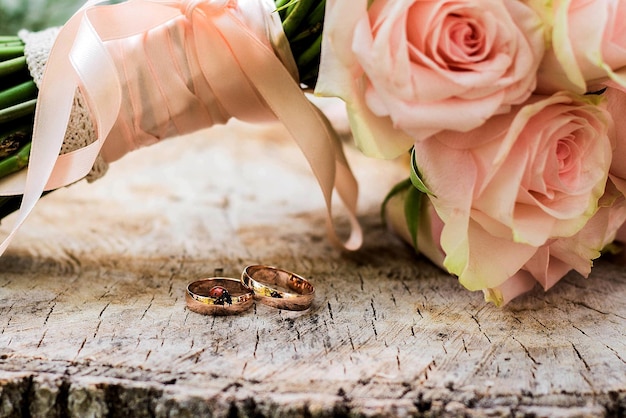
x=152 y=69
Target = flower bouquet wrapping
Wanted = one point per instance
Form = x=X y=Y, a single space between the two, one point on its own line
x=117 y=77
x=509 y=112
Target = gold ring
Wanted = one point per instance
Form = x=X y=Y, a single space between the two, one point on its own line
x=218 y=296
x=261 y=278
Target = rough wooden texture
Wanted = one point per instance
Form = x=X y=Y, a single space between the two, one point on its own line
x=93 y=319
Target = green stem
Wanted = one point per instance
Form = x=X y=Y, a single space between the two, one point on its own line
x=311 y=54
x=17 y=111
x=282 y=4
x=12 y=66
x=9 y=204
x=303 y=23
x=8 y=52
x=14 y=135
x=290 y=6
x=317 y=15
x=15 y=162
x=309 y=31
x=296 y=16
x=308 y=77
x=18 y=94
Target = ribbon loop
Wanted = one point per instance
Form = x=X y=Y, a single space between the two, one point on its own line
x=189 y=6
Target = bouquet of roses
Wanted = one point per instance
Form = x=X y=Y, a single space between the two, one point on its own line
x=509 y=110
x=513 y=110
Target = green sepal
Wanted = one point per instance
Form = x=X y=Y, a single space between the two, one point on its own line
x=612 y=248
x=412 y=210
x=397 y=189
x=415 y=177
x=413 y=202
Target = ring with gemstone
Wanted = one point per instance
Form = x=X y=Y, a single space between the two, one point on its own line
x=218 y=296
x=291 y=291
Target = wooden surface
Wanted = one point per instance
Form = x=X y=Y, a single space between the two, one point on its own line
x=93 y=319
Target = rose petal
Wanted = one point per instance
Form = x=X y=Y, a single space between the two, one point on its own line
x=520 y=283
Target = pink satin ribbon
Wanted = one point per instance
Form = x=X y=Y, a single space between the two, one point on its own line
x=153 y=69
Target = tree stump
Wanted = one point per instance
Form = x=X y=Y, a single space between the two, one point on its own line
x=93 y=319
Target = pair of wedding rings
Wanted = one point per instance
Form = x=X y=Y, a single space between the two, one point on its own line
x=271 y=286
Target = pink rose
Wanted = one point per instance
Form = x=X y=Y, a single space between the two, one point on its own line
x=616 y=105
x=428 y=244
x=588 y=43
x=516 y=183
x=552 y=261
x=520 y=283
x=405 y=66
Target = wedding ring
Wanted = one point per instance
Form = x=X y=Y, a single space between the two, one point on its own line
x=218 y=296
x=292 y=292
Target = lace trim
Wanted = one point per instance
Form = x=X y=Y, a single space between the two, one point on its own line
x=80 y=130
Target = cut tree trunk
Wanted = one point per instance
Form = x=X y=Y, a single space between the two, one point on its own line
x=93 y=319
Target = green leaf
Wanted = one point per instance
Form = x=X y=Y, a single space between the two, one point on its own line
x=412 y=211
x=416 y=178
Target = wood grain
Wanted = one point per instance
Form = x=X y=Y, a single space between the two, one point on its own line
x=93 y=319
